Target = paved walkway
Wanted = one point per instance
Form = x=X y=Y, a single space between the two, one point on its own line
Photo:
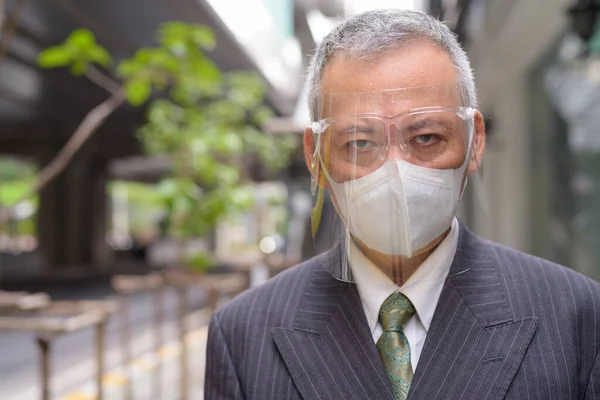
x=73 y=357
x=150 y=375
x=148 y=369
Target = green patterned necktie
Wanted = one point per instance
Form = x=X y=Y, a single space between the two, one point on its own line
x=393 y=345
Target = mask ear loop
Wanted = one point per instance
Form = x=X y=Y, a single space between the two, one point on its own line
x=316 y=128
x=317 y=211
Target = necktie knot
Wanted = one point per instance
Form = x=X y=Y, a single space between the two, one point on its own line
x=395 y=312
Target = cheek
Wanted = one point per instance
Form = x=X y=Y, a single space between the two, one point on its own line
x=450 y=160
x=343 y=172
x=457 y=155
x=340 y=172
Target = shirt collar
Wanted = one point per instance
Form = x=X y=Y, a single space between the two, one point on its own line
x=423 y=288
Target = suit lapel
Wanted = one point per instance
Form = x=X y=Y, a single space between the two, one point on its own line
x=474 y=346
x=330 y=352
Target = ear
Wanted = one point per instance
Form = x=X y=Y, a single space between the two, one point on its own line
x=478 y=145
x=309 y=158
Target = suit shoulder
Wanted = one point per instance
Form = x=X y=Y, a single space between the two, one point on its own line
x=511 y=259
x=557 y=278
x=271 y=301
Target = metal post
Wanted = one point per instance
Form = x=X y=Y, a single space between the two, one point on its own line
x=100 y=330
x=213 y=298
x=125 y=336
x=44 y=345
x=183 y=361
x=158 y=297
x=247 y=278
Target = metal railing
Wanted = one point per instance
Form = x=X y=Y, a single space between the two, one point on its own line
x=48 y=320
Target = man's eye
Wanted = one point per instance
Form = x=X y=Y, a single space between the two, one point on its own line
x=424 y=140
x=360 y=144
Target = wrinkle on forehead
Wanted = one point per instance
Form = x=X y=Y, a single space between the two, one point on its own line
x=415 y=64
x=391 y=103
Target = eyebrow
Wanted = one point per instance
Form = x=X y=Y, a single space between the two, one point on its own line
x=426 y=122
x=357 y=123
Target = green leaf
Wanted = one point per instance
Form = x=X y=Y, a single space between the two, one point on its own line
x=179 y=49
x=99 y=55
x=171 y=33
x=199 y=147
x=228 y=175
x=178 y=35
x=242 y=197
x=77 y=51
x=79 y=67
x=200 y=261
x=129 y=68
x=82 y=39
x=204 y=37
x=246 y=89
x=182 y=205
x=144 y=55
x=233 y=143
x=54 y=57
x=207 y=71
x=262 y=115
x=167 y=188
x=137 y=91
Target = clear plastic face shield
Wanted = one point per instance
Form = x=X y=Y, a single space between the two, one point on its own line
x=395 y=164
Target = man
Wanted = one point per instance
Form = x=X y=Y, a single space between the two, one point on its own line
x=409 y=303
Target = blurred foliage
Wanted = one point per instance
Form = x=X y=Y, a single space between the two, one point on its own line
x=17 y=178
x=77 y=52
x=200 y=261
x=12 y=169
x=208 y=122
x=144 y=205
x=13 y=191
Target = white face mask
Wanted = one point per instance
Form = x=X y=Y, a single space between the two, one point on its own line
x=400 y=207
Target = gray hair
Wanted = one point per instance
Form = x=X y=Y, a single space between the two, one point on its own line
x=374 y=32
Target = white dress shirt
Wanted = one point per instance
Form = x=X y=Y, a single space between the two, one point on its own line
x=423 y=289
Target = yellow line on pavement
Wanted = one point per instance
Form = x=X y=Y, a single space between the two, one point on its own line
x=199 y=335
x=144 y=363
x=114 y=379
x=169 y=351
x=78 y=396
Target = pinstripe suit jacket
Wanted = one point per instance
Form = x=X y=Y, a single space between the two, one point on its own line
x=512 y=327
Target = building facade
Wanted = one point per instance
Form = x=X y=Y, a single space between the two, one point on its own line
x=538 y=89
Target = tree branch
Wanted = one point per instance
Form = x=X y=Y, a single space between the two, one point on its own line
x=84 y=131
x=102 y=80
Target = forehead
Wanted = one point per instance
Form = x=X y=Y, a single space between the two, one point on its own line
x=417 y=65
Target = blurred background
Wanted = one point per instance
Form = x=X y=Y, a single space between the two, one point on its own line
x=151 y=168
